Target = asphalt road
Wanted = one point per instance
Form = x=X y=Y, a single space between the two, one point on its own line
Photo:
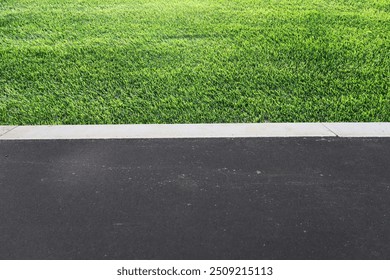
x=254 y=198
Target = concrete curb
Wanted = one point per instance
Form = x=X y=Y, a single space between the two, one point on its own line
x=5 y=129
x=149 y=131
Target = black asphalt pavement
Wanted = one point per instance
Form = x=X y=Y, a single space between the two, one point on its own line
x=254 y=198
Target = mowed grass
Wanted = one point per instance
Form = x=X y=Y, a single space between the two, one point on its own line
x=193 y=61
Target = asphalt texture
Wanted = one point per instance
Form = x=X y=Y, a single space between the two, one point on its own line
x=254 y=198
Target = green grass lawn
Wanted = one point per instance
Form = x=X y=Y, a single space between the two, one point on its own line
x=193 y=61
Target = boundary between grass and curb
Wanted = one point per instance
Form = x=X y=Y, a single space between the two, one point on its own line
x=227 y=130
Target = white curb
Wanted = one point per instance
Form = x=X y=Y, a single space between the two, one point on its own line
x=5 y=129
x=148 y=131
x=359 y=129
